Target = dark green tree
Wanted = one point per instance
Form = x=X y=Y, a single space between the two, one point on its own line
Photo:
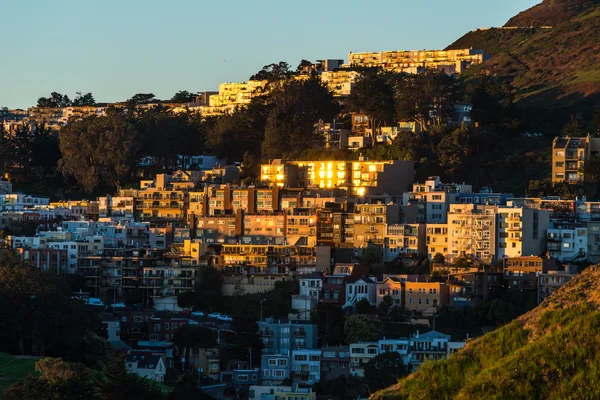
x=55 y=100
x=100 y=151
x=358 y=328
x=573 y=127
x=297 y=106
x=116 y=383
x=194 y=336
x=273 y=72
x=183 y=96
x=142 y=98
x=86 y=99
x=186 y=388
x=384 y=370
x=373 y=95
x=207 y=293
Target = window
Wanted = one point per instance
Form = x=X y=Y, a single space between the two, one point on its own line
x=281 y=362
x=138 y=319
x=278 y=373
x=272 y=361
x=154 y=337
x=267 y=372
x=242 y=378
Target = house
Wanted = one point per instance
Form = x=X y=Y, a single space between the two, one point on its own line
x=335 y=362
x=360 y=288
x=425 y=297
x=295 y=392
x=275 y=368
x=431 y=346
x=146 y=365
x=360 y=354
x=390 y=286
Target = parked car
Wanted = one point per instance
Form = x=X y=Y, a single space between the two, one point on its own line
x=137 y=306
x=118 y=305
x=185 y=312
x=224 y=317
x=198 y=314
x=214 y=315
x=95 y=301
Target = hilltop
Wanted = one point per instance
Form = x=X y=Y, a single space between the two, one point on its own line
x=554 y=71
x=552 y=352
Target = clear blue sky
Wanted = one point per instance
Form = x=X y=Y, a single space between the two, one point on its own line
x=116 y=48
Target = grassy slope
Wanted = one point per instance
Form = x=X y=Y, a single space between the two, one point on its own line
x=13 y=370
x=552 y=352
x=553 y=70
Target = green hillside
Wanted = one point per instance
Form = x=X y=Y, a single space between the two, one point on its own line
x=554 y=72
x=552 y=352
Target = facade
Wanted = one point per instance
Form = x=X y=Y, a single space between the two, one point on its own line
x=146 y=365
x=425 y=297
x=282 y=338
x=472 y=232
x=521 y=231
x=569 y=157
x=335 y=362
x=306 y=365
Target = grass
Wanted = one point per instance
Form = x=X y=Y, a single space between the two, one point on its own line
x=552 y=352
x=13 y=370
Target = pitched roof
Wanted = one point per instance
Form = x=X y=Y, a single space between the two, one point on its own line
x=144 y=360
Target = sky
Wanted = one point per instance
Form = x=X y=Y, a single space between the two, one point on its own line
x=117 y=48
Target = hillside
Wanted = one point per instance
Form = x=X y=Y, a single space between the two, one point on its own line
x=554 y=72
x=552 y=352
x=551 y=12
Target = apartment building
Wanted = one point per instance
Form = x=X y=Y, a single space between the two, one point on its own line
x=306 y=365
x=340 y=81
x=425 y=297
x=404 y=241
x=567 y=241
x=283 y=337
x=335 y=362
x=521 y=231
x=359 y=178
x=116 y=206
x=371 y=223
x=468 y=289
x=233 y=95
x=436 y=240
x=569 y=157
x=472 y=232
x=548 y=282
x=412 y=61
x=521 y=273
x=431 y=346
x=360 y=354
x=433 y=198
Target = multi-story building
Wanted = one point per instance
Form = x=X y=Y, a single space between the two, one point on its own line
x=521 y=231
x=569 y=157
x=340 y=82
x=472 y=232
x=276 y=368
x=283 y=337
x=233 y=95
x=521 y=273
x=306 y=365
x=360 y=354
x=359 y=289
x=406 y=241
x=567 y=241
x=425 y=297
x=431 y=346
x=335 y=362
x=371 y=222
x=468 y=289
x=437 y=240
x=357 y=177
x=412 y=61
x=390 y=286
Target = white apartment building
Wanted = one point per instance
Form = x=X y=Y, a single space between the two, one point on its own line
x=472 y=232
x=360 y=354
x=567 y=242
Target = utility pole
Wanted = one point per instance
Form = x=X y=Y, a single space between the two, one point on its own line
x=261 y=308
x=250 y=351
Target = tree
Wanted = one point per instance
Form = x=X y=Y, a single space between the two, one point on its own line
x=456 y=150
x=246 y=337
x=302 y=65
x=439 y=258
x=54 y=101
x=273 y=72
x=186 y=388
x=38 y=315
x=208 y=290
x=57 y=380
x=357 y=328
x=183 y=96
x=296 y=106
x=573 y=127
x=384 y=370
x=84 y=99
x=116 y=383
x=373 y=95
x=142 y=98
x=100 y=151
x=386 y=305
x=596 y=121
x=194 y=336
x=364 y=307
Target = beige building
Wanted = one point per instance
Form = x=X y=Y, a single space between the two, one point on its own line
x=472 y=232
x=425 y=297
x=569 y=157
x=371 y=222
x=340 y=82
x=437 y=240
x=232 y=95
